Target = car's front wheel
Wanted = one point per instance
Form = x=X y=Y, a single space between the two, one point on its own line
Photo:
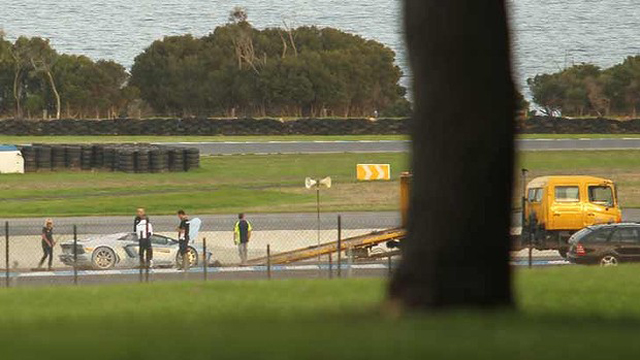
x=609 y=260
x=103 y=258
x=192 y=256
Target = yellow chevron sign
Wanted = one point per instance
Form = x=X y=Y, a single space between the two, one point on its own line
x=368 y=172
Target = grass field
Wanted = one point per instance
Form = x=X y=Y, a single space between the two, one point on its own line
x=564 y=313
x=270 y=183
x=10 y=139
x=223 y=184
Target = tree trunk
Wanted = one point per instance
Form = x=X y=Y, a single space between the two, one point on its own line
x=457 y=250
x=55 y=93
x=17 y=89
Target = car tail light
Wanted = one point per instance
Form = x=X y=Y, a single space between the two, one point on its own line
x=580 y=250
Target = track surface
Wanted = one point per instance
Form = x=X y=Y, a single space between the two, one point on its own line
x=325 y=147
x=285 y=221
x=303 y=221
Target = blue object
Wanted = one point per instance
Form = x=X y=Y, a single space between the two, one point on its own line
x=8 y=148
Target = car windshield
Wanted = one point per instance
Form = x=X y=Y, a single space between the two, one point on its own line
x=579 y=235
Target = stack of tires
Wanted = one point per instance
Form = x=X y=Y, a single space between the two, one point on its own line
x=159 y=160
x=191 y=159
x=142 y=161
x=73 y=154
x=86 y=157
x=43 y=157
x=129 y=158
x=58 y=158
x=29 y=156
x=176 y=160
x=126 y=160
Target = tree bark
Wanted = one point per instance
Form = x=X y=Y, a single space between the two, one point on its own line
x=54 y=88
x=457 y=250
x=17 y=89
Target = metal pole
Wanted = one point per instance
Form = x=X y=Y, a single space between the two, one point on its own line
x=389 y=265
x=6 y=249
x=350 y=259
x=204 y=257
x=318 y=213
x=75 y=255
x=330 y=266
x=269 y=261
x=523 y=218
x=530 y=250
x=339 y=246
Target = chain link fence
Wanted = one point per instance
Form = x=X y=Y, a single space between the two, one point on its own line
x=103 y=250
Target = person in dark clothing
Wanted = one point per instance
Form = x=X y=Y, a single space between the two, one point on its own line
x=183 y=238
x=241 y=236
x=143 y=229
x=47 y=243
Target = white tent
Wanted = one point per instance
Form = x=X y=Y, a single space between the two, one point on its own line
x=11 y=161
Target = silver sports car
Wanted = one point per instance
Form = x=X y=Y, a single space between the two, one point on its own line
x=104 y=252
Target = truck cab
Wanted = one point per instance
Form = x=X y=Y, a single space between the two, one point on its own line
x=555 y=207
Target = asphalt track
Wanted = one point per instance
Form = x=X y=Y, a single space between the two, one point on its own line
x=262 y=222
x=393 y=146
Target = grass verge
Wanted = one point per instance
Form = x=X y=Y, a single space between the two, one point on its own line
x=226 y=184
x=564 y=312
x=271 y=183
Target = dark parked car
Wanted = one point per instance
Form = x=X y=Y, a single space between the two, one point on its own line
x=607 y=245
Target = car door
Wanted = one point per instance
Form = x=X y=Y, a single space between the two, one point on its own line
x=566 y=210
x=626 y=241
x=162 y=249
x=600 y=207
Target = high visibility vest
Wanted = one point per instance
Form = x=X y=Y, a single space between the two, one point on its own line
x=236 y=231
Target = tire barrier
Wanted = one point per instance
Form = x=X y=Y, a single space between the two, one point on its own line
x=547 y=125
x=205 y=126
x=128 y=158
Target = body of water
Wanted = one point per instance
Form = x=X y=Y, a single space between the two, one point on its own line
x=548 y=34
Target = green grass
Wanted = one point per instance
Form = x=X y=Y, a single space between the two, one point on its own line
x=270 y=183
x=576 y=136
x=563 y=313
x=59 y=139
x=224 y=184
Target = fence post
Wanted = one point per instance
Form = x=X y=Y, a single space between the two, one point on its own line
x=389 y=265
x=6 y=249
x=339 y=246
x=350 y=261
x=530 y=250
x=330 y=266
x=204 y=257
x=269 y=261
x=75 y=255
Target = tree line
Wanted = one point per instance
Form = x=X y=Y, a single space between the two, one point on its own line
x=588 y=90
x=237 y=70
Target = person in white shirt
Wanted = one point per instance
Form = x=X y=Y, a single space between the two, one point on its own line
x=144 y=230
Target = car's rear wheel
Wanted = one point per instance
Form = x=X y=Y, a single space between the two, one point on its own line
x=192 y=256
x=103 y=258
x=609 y=260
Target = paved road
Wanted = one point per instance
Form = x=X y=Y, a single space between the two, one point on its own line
x=297 y=147
x=579 y=144
x=304 y=221
x=326 y=147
